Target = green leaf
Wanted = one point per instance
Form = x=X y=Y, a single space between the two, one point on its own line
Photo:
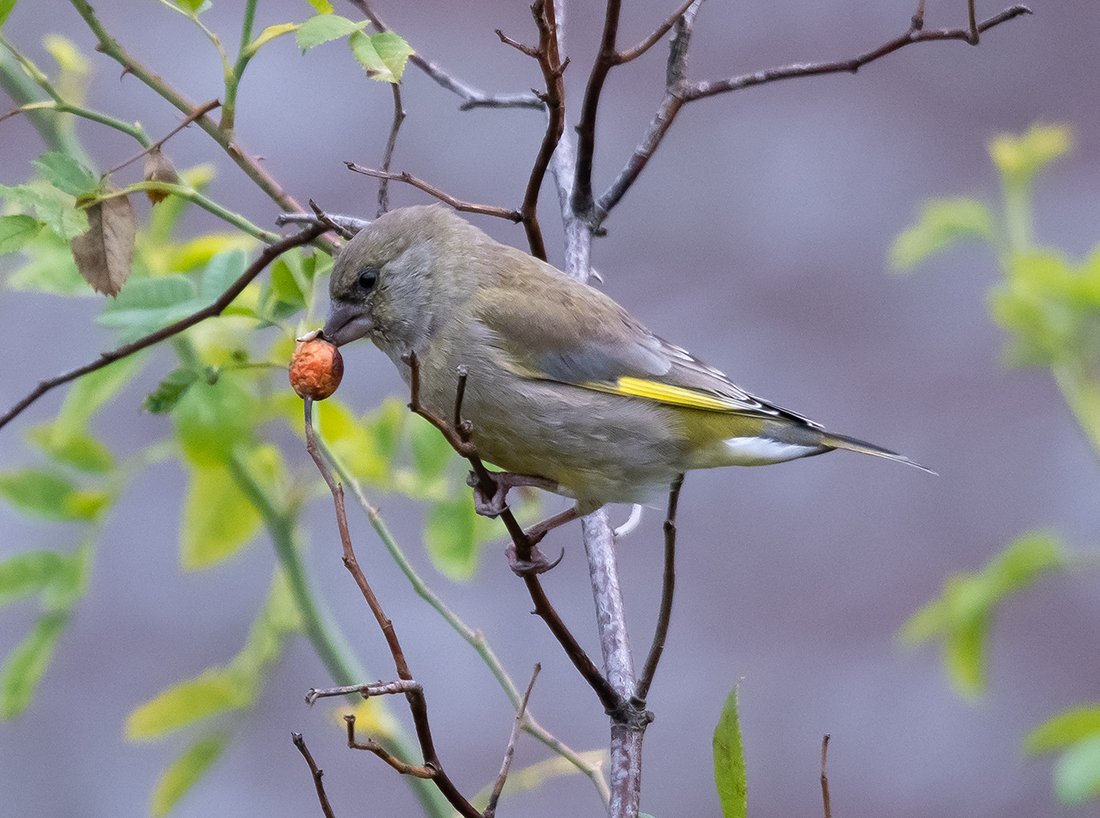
x=1077 y=773
x=729 y=761
x=185 y=771
x=193 y=7
x=97 y=388
x=16 y=231
x=71 y=582
x=277 y=619
x=28 y=573
x=1019 y=158
x=7 y=5
x=1068 y=727
x=271 y=33
x=74 y=448
x=218 y=519
x=27 y=663
x=169 y=391
x=66 y=174
x=383 y=55
x=211 y=692
x=50 y=268
x=325 y=27
x=449 y=538
x=213 y=418
x=942 y=223
x=222 y=271
x=46 y=494
x=430 y=450
x=149 y=304
x=52 y=206
x=366 y=445
x=321 y=6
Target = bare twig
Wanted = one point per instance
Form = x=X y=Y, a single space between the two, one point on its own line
x=426 y=771
x=317 y=773
x=679 y=91
x=668 y=586
x=825 y=777
x=367 y=691
x=457 y=204
x=498 y=788
x=202 y=110
x=391 y=143
x=417 y=704
x=650 y=41
x=471 y=97
x=267 y=255
x=346 y=226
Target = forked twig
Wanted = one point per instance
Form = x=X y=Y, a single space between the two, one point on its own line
x=457 y=204
x=498 y=788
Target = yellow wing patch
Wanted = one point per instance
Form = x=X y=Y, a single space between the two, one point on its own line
x=666 y=393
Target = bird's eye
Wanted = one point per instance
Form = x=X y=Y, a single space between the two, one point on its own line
x=367 y=279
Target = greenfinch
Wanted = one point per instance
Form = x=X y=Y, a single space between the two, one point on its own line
x=562 y=383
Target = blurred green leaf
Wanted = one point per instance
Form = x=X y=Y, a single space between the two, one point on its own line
x=942 y=223
x=49 y=268
x=211 y=419
x=211 y=692
x=366 y=445
x=148 y=304
x=1068 y=727
x=74 y=448
x=71 y=582
x=95 y=389
x=66 y=174
x=277 y=619
x=5 y=9
x=169 y=391
x=52 y=206
x=1019 y=158
x=271 y=33
x=16 y=231
x=28 y=573
x=325 y=27
x=218 y=519
x=449 y=538
x=383 y=55
x=46 y=494
x=193 y=7
x=185 y=771
x=27 y=663
x=729 y=761
x=222 y=271
x=1077 y=772
x=321 y=6
x=430 y=450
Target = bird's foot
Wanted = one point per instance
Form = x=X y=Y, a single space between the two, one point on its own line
x=493 y=505
x=536 y=563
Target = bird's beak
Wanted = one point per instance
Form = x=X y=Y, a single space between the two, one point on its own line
x=345 y=323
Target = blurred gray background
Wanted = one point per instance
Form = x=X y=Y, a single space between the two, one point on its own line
x=757 y=238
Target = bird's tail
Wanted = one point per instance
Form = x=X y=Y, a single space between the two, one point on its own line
x=852 y=444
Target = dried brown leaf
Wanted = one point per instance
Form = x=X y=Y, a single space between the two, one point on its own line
x=105 y=253
x=159 y=168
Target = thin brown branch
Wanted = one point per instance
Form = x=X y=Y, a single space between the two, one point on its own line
x=395 y=688
x=668 y=587
x=403 y=767
x=457 y=204
x=202 y=110
x=391 y=143
x=825 y=778
x=549 y=60
x=586 y=128
x=521 y=715
x=471 y=97
x=417 y=704
x=680 y=91
x=267 y=255
x=316 y=772
x=654 y=38
x=460 y=438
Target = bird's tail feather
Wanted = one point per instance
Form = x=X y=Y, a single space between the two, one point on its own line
x=852 y=444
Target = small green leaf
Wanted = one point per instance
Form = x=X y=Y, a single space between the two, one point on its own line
x=149 y=304
x=321 y=6
x=1077 y=773
x=222 y=271
x=1019 y=158
x=383 y=55
x=211 y=692
x=52 y=206
x=7 y=5
x=169 y=391
x=28 y=573
x=16 y=231
x=185 y=771
x=46 y=494
x=271 y=33
x=449 y=538
x=218 y=519
x=213 y=418
x=66 y=174
x=729 y=761
x=74 y=448
x=193 y=7
x=1068 y=727
x=325 y=27
x=71 y=582
x=27 y=663
x=430 y=450
x=942 y=223
x=49 y=268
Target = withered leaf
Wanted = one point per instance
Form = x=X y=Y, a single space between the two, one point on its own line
x=159 y=168
x=105 y=253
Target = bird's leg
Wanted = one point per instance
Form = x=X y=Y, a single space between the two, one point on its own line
x=492 y=505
